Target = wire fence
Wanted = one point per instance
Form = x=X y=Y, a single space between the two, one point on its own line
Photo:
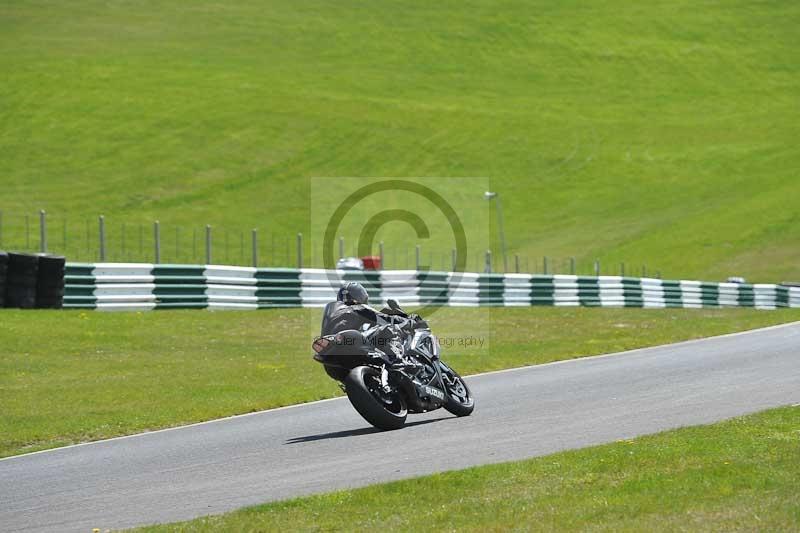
x=101 y=239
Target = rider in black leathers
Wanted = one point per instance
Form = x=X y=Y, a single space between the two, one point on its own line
x=351 y=311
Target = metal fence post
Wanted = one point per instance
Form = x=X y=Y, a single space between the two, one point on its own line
x=597 y=267
x=102 y=222
x=572 y=265
x=417 y=250
x=622 y=269
x=644 y=271
x=42 y=232
x=255 y=247
x=227 y=254
x=157 y=241
x=380 y=252
x=454 y=259
x=208 y=244
x=299 y=250
x=341 y=247
x=545 y=266
x=516 y=263
x=488 y=262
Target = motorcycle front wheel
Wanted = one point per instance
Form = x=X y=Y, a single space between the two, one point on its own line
x=383 y=410
x=459 y=398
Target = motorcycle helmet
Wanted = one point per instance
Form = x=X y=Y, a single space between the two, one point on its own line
x=353 y=293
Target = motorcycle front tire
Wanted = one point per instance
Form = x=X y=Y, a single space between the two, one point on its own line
x=456 y=406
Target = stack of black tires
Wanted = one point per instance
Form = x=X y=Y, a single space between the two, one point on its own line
x=50 y=282
x=3 y=272
x=30 y=281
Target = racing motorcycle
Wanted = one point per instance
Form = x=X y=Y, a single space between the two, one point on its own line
x=385 y=389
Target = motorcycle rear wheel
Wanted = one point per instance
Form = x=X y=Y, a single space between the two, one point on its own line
x=382 y=410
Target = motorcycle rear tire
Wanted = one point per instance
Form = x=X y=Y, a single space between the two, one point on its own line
x=367 y=405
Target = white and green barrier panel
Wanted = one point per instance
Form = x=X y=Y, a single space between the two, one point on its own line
x=137 y=286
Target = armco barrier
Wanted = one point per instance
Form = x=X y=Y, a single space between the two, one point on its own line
x=137 y=286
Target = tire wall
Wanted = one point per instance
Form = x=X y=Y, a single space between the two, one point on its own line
x=29 y=281
x=3 y=277
x=50 y=282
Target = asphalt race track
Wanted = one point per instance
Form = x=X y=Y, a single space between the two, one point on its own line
x=222 y=465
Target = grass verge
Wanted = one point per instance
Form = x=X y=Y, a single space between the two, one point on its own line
x=738 y=475
x=82 y=376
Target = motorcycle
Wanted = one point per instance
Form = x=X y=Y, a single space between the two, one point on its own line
x=385 y=390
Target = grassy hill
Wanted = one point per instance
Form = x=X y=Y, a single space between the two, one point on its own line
x=662 y=133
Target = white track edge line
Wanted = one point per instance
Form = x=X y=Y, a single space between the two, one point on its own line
x=637 y=350
x=173 y=428
x=504 y=370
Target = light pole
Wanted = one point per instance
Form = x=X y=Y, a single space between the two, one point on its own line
x=488 y=195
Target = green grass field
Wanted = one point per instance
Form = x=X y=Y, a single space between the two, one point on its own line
x=76 y=377
x=738 y=475
x=659 y=134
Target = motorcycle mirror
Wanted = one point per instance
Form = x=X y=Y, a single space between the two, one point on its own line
x=393 y=304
